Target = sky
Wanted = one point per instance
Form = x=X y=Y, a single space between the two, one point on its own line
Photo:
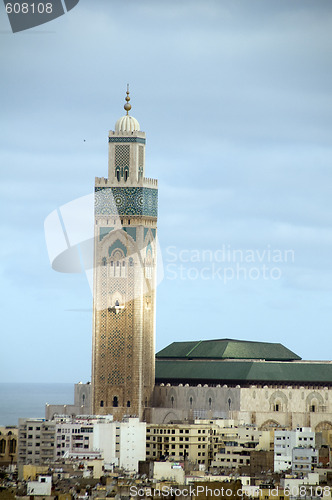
x=235 y=98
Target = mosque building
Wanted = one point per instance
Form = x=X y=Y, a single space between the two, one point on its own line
x=261 y=383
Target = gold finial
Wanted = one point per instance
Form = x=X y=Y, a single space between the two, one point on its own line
x=127 y=106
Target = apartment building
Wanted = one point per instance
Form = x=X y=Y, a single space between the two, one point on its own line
x=196 y=442
x=36 y=438
x=73 y=436
x=286 y=441
x=304 y=460
x=237 y=443
x=118 y=443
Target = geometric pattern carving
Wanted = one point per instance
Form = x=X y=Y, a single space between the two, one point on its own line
x=122 y=155
x=140 y=156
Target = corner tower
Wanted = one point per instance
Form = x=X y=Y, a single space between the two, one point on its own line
x=126 y=204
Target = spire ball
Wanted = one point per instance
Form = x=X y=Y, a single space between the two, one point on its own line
x=127 y=123
x=127 y=106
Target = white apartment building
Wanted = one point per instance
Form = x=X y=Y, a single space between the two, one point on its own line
x=304 y=460
x=286 y=441
x=72 y=436
x=132 y=443
x=122 y=443
x=119 y=443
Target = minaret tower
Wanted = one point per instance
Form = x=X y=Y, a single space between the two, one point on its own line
x=126 y=205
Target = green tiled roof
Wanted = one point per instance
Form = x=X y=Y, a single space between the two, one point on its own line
x=227 y=349
x=199 y=371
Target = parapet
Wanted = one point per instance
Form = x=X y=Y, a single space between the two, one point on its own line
x=148 y=182
x=101 y=181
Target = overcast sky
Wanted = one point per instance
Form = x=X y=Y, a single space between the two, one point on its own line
x=235 y=99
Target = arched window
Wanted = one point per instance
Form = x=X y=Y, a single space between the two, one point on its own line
x=148 y=264
x=2 y=446
x=83 y=399
x=12 y=446
x=131 y=261
x=191 y=401
x=128 y=404
x=117 y=264
x=126 y=173
x=172 y=401
x=210 y=402
x=104 y=261
x=101 y=403
x=117 y=173
x=115 y=402
x=229 y=403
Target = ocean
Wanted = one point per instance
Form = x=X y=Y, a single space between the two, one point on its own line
x=28 y=400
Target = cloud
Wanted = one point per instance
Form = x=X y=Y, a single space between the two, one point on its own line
x=236 y=102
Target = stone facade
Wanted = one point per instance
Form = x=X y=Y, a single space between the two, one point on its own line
x=267 y=406
x=123 y=351
x=81 y=406
x=8 y=445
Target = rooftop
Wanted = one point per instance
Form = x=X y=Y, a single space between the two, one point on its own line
x=225 y=371
x=227 y=349
x=236 y=361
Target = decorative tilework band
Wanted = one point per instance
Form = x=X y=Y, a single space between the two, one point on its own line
x=126 y=201
x=127 y=139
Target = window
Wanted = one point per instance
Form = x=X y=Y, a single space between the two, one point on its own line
x=115 y=402
x=101 y=405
